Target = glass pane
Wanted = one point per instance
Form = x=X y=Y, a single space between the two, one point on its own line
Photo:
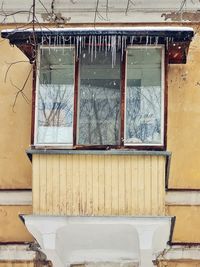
x=144 y=96
x=55 y=96
x=99 y=99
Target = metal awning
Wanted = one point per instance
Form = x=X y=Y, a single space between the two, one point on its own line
x=175 y=39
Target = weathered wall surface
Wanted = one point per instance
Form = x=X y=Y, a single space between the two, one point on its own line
x=187 y=228
x=15 y=168
x=12 y=228
x=24 y=264
x=184 y=120
x=181 y=263
x=99 y=184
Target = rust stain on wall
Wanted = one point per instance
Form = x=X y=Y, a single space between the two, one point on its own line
x=182 y=16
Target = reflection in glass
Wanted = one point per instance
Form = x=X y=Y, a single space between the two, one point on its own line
x=99 y=99
x=55 y=96
x=143 y=96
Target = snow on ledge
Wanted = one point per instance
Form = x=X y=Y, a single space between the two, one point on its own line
x=106 y=29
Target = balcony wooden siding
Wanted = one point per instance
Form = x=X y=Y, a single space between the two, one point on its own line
x=98 y=184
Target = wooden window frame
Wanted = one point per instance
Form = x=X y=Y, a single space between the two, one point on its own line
x=123 y=66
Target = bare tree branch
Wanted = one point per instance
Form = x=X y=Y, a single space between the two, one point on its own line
x=11 y=65
x=21 y=90
x=129 y=2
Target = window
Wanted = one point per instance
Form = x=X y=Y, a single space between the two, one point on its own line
x=100 y=99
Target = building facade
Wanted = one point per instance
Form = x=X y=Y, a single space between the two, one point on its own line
x=99 y=145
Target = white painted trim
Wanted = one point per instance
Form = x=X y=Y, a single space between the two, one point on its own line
x=162 y=79
x=182 y=198
x=71 y=47
x=181 y=253
x=22 y=197
x=16 y=252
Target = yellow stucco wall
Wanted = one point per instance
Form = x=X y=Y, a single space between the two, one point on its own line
x=184 y=120
x=24 y=264
x=17 y=264
x=187 y=223
x=15 y=168
x=11 y=227
x=181 y=263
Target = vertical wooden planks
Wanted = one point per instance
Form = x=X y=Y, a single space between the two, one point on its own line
x=63 y=184
x=43 y=184
x=56 y=183
x=108 y=184
x=69 y=189
x=83 y=186
x=99 y=184
x=101 y=188
x=49 y=191
x=36 y=183
x=161 y=184
x=148 y=184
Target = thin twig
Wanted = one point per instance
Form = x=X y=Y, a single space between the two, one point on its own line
x=129 y=2
x=20 y=90
x=11 y=64
x=182 y=5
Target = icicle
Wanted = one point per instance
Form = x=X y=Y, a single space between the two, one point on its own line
x=99 y=41
x=95 y=47
x=167 y=42
x=147 y=40
x=132 y=39
x=103 y=44
x=122 y=48
x=109 y=43
x=92 y=47
x=84 y=41
x=70 y=41
x=89 y=44
x=113 y=49
x=77 y=46
x=42 y=41
x=49 y=44
x=106 y=45
x=119 y=42
x=157 y=39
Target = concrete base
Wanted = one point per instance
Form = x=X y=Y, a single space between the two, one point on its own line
x=124 y=240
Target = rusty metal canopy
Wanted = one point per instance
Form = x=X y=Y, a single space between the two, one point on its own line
x=175 y=39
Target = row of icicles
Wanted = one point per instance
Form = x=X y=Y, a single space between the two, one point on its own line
x=107 y=43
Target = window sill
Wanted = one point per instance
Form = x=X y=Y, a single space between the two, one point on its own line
x=45 y=151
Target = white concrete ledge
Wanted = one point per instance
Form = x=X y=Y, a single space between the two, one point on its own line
x=15 y=197
x=16 y=253
x=70 y=240
x=181 y=253
x=182 y=198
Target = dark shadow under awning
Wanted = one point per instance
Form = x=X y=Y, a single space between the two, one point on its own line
x=175 y=39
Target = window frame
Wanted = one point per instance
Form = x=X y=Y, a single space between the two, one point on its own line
x=123 y=66
x=162 y=47
x=37 y=99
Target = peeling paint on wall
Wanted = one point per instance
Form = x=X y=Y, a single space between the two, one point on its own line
x=54 y=18
x=182 y=16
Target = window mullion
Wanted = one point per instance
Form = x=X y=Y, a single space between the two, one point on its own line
x=76 y=85
x=123 y=85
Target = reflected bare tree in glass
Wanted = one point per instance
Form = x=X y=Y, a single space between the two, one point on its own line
x=99 y=100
